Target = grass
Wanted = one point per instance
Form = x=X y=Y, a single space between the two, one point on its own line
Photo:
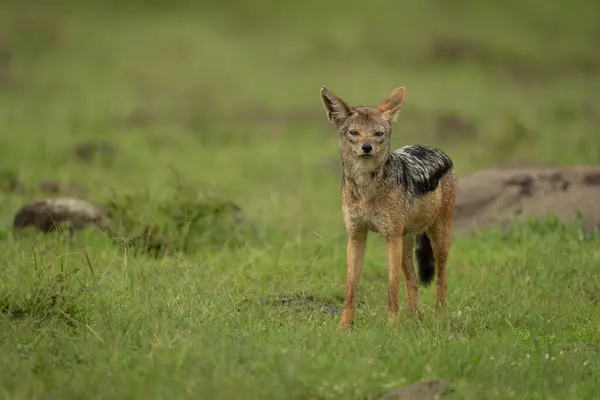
x=222 y=99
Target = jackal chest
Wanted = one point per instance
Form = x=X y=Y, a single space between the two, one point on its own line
x=375 y=216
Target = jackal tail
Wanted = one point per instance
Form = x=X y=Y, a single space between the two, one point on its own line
x=425 y=259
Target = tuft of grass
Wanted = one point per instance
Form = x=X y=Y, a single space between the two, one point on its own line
x=187 y=221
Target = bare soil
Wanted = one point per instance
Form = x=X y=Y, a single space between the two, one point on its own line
x=497 y=196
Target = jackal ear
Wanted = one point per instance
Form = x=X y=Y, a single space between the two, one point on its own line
x=393 y=103
x=337 y=109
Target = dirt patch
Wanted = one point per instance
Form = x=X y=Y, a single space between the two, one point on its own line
x=49 y=186
x=286 y=304
x=450 y=125
x=305 y=303
x=96 y=151
x=428 y=390
x=497 y=196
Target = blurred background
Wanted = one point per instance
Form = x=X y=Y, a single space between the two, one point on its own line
x=104 y=96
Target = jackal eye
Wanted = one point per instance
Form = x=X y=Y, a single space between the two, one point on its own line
x=353 y=133
x=379 y=134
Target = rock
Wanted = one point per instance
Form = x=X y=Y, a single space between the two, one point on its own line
x=496 y=196
x=427 y=390
x=46 y=215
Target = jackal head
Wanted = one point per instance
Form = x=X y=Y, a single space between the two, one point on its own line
x=364 y=131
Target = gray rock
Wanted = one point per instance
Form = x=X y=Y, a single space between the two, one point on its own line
x=48 y=214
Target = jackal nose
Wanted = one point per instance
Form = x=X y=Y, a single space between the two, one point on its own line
x=366 y=148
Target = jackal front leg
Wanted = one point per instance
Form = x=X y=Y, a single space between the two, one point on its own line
x=355 y=256
x=394 y=247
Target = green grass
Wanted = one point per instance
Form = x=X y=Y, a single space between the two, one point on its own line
x=223 y=99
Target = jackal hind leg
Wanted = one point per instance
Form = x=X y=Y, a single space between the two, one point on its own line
x=398 y=260
x=412 y=286
x=439 y=235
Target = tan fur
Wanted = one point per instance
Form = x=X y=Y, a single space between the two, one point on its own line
x=369 y=204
